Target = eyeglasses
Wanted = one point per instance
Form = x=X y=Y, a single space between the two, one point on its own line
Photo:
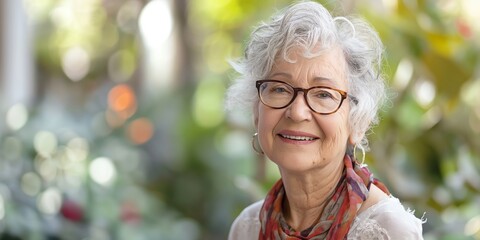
x=323 y=100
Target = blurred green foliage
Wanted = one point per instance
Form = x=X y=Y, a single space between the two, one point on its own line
x=198 y=171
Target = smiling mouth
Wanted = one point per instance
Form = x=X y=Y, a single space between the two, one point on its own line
x=297 y=138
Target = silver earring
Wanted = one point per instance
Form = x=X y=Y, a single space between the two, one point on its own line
x=362 y=164
x=256 y=148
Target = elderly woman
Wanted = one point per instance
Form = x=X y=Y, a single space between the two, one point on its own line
x=314 y=85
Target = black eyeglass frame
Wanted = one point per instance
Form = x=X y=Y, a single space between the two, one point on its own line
x=343 y=94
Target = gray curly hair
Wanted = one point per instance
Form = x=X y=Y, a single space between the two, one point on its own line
x=308 y=25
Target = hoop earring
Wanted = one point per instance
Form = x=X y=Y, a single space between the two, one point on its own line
x=363 y=154
x=258 y=149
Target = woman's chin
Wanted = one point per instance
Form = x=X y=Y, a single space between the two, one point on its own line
x=298 y=163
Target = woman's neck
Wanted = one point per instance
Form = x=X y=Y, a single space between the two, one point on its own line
x=308 y=193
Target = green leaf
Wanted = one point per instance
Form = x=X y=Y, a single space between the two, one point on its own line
x=447 y=74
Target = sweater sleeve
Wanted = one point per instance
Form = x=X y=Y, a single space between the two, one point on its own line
x=387 y=220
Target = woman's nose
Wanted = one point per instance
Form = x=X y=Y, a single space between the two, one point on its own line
x=299 y=110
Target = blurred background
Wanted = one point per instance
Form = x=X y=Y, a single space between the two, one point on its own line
x=113 y=126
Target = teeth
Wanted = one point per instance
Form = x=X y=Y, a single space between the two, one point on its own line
x=298 y=138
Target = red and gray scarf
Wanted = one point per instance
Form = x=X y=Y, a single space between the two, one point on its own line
x=338 y=214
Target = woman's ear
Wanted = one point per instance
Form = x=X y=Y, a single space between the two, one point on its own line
x=351 y=140
x=355 y=137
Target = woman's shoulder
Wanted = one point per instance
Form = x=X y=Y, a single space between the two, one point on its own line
x=387 y=219
x=247 y=224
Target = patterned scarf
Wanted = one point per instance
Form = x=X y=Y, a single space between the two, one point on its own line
x=337 y=216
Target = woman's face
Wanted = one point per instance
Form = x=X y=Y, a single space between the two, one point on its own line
x=295 y=137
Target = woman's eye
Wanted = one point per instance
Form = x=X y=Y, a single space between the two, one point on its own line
x=325 y=95
x=279 y=89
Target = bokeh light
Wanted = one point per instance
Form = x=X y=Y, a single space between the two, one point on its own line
x=156 y=22
x=46 y=167
x=102 y=171
x=424 y=92
x=140 y=130
x=127 y=16
x=122 y=101
x=37 y=10
x=470 y=12
x=442 y=196
x=78 y=149
x=31 y=183
x=76 y=63
x=45 y=143
x=63 y=15
x=79 y=32
x=403 y=75
x=472 y=228
x=17 y=116
x=71 y=170
x=390 y=4
x=50 y=201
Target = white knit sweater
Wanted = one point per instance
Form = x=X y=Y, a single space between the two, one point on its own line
x=387 y=219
